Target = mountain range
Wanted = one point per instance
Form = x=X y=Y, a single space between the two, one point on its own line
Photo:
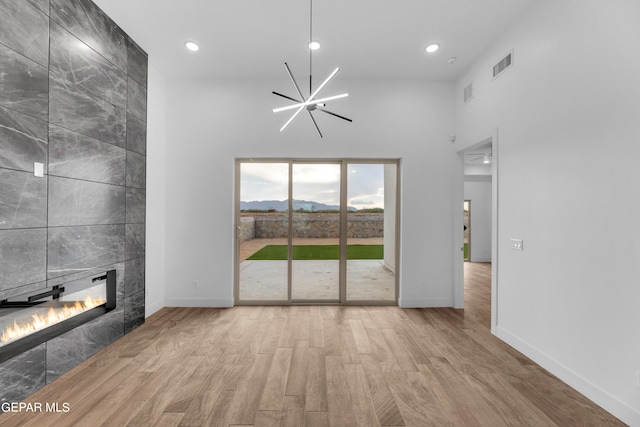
x=283 y=205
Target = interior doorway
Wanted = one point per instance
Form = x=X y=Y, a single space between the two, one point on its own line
x=466 y=230
x=316 y=231
x=478 y=188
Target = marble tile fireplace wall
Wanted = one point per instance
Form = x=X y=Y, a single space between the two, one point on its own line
x=72 y=98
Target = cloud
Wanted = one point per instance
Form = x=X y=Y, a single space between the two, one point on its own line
x=313 y=182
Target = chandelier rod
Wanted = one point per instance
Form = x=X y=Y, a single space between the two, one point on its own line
x=309 y=46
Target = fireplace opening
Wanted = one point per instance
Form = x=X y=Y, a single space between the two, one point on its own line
x=31 y=319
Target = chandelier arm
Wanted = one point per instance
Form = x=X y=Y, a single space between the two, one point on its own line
x=292 y=117
x=313 y=95
x=311 y=50
x=294 y=81
x=287 y=97
x=334 y=114
x=314 y=122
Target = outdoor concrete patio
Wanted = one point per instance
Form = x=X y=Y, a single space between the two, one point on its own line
x=367 y=280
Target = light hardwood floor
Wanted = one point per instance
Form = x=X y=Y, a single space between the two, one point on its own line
x=315 y=366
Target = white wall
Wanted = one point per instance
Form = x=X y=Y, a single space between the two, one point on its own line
x=210 y=123
x=567 y=118
x=478 y=190
x=156 y=189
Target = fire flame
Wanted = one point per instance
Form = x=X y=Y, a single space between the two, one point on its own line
x=52 y=317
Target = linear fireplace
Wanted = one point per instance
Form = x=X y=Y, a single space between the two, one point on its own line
x=29 y=320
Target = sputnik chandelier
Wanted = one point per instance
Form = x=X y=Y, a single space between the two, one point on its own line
x=310 y=103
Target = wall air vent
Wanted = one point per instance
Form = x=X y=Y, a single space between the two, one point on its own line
x=504 y=64
x=468 y=93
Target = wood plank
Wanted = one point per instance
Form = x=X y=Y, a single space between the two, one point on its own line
x=297 y=380
x=361 y=403
x=316 y=419
x=293 y=411
x=250 y=392
x=168 y=420
x=316 y=335
x=156 y=405
x=316 y=392
x=404 y=359
x=384 y=404
x=338 y=398
x=360 y=336
x=273 y=395
x=267 y=419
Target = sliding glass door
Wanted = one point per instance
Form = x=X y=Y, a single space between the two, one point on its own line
x=371 y=232
x=316 y=232
x=315 y=266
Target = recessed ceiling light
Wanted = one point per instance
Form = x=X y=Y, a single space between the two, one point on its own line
x=192 y=46
x=314 y=45
x=432 y=48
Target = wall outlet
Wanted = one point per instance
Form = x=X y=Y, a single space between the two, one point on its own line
x=424 y=285
x=196 y=284
x=638 y=378
x=516 y=244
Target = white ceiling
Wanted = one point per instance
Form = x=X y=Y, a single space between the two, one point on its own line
x=367 y=39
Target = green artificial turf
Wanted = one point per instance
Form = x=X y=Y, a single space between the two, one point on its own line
x=318 y=252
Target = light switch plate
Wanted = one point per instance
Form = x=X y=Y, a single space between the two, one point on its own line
x=38 y=169
x=516 y=244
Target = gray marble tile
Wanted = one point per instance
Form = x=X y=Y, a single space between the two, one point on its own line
x=68 y=350
x=134 y=276
x=24 y=84
x=136 y=99
x=22 y=375
x=76 y=202
x=25 y=29
x=22 y=290
x=43 y=5
x=23 y=141
x=23 y=255
x=79 y=110
x=119 y=267
x=73 y=155
x=82 y=248
x=137 y=61
x=23 y=200
x=136 y=134
x=136 y=205
x=135 y=241
x=133 y=312
x=78 y=63
x=136 y=170
x=89 y=23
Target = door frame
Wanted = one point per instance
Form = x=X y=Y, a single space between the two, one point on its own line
x=344 y=162
x=458 y=255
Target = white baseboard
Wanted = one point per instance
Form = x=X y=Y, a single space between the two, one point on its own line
x=601 y=397
x=149 y=309
x=198 y=302
x=425 y=303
